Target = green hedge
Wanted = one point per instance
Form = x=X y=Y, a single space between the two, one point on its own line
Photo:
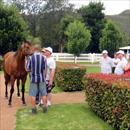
x=69 y=77
x=109 y=100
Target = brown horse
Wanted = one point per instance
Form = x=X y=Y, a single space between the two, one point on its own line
x=14 y=69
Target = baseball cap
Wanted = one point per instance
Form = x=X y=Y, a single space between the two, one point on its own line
x=120 y=52
x=49 y=49
x=104 y=52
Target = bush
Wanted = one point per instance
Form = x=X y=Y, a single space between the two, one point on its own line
x=109 y=98
x=69 y=77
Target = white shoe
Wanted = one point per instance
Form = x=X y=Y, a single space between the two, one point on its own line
x=48 y=103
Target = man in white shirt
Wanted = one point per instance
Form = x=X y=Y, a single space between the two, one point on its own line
x=51 y=66
x=106 y=63
x=119 y=70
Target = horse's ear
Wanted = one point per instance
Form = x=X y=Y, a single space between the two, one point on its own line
x=22 y=45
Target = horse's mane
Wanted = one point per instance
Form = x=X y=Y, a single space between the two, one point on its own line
x=27 y=42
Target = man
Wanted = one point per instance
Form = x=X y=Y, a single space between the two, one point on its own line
x=51 y=66
x=36 y=64
x=106 y=63
x=119 y=70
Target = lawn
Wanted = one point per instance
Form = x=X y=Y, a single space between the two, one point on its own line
x=60 y=117
x=93 y=69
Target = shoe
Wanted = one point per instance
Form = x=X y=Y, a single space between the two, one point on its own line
x=48 y=103
x=34 y=110
x=45 y=109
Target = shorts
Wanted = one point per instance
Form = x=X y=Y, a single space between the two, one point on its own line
x=49 y=88
x=37 y=88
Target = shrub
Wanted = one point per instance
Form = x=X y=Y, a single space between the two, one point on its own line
x=69 y=77
x=109 y=98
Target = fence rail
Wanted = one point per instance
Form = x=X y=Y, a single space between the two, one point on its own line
x=66 y=57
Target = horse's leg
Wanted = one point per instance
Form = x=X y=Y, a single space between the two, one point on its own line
x=7 y=78
x=11 y=90
x=23 y=88
x=18 y=83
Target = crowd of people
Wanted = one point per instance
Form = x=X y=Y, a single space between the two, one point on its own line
x=41 y=67
x=118 y=65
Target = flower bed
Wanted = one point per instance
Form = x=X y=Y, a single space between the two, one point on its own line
x=69 y=76
x=109 y=98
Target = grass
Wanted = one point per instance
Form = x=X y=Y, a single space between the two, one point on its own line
x=61 y=117
x=93 y=69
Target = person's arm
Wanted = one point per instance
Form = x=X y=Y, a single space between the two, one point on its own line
x=52 y=74
x=28 y=64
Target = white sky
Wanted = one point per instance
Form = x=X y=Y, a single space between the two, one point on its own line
x=111 y=6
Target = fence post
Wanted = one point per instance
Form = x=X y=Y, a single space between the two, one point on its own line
x=57 y=57
x=92 y=58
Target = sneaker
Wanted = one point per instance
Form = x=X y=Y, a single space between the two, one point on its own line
x=45 y=109
x=48 y=103
x=34 y=110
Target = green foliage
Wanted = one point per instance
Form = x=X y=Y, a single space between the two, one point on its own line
x=49 y=22
x=112 y=38
x=94 y=19
x=69 y=77
x=60 y=117
x=109 y=101
x=78 y=37
x=13 y=29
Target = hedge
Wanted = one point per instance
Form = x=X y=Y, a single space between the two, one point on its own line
x=69 y=76
x=109 y=98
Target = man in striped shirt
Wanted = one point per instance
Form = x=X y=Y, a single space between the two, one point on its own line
x=36 y=65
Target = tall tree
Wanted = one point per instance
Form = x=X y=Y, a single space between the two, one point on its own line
x=94 y=19
x=78 y=37
x=13 y=28
x=53 y=12
x=30 y=10
x=112 y=38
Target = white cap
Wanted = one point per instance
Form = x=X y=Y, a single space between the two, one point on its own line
x=120 y=52
x=104 y=52
x=49 y=49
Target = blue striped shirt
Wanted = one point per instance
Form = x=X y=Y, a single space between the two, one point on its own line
x=36 y=64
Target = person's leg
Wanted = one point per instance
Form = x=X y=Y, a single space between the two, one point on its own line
x=32 y=93
x=43 y=94
x=49 y=96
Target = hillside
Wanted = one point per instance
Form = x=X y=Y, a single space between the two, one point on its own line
x=123 y=20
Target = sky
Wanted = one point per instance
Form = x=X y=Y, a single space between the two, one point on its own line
x=112 y=7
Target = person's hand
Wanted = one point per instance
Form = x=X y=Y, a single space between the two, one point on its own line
x=50 y=83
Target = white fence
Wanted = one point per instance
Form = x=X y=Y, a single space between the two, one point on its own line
x=65 y=57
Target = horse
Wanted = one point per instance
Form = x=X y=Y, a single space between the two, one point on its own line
x=14 y=69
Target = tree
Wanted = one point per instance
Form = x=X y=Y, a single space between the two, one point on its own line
x=94 y=19
x=13 y=28
x=30 y=10
x=112 y=38
x=65 y=21
x=53 y=12
x=78 y=37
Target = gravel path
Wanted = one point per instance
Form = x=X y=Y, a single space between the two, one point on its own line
x=7 y=114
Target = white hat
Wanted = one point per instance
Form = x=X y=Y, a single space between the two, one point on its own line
x=120 y=52
x=49 y=49
x=104 y=52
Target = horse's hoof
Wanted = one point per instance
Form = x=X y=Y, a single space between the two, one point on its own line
x=24 y=104
x=9 y=104
x=6 y=97
x=18 y=97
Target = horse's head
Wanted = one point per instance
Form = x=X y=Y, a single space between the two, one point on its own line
x=26 y=48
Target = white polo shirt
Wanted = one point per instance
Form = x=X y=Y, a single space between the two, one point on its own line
x=119 y=70
x=106 y=65
x=51 y=64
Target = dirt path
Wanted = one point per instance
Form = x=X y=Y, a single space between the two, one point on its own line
x=7 y=114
